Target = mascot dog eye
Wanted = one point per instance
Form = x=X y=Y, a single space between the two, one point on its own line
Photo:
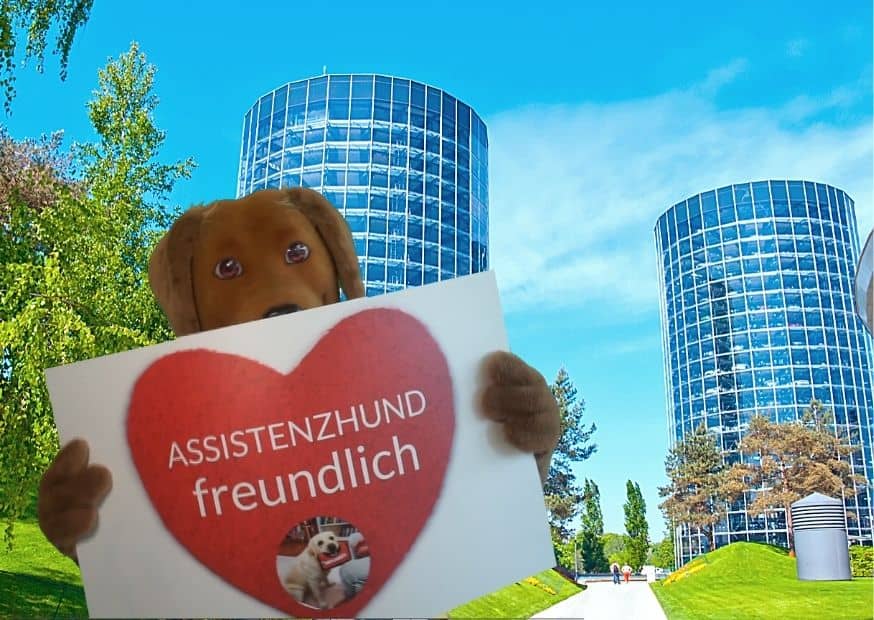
x=297 y=252
x=228 y=268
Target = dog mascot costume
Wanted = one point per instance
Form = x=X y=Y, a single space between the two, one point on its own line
x=273 y=252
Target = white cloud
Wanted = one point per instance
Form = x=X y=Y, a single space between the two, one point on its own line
x=726 y=74
x=575 y=191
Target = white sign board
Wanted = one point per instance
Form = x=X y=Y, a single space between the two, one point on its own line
x=331 y=462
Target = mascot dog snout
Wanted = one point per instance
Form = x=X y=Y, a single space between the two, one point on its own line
x=280 y=310
x=271 y=253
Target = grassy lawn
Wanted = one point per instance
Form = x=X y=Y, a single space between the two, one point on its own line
x=38 y=582
x=746 y=581
x=520 y=600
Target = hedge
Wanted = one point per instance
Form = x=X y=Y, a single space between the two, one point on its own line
x=862 y=561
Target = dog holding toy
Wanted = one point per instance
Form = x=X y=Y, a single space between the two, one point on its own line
x=273 y=252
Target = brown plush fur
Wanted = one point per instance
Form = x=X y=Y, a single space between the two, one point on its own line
x=256 y=230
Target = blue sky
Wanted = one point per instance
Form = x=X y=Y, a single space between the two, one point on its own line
x=599 y=117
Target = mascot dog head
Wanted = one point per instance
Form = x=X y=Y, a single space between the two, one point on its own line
x=269 y=253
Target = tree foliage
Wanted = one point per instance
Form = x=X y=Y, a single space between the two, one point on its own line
x=636 y=526
x=592 y=530
x=34 y=175
x=862 y=561
x=31 y=172
x=562 y=493
x=791 y=460
x=695 y=494
x=37 y=18
x=662 y=553
x=73 y=263
x=564 y=552
x=616 y=548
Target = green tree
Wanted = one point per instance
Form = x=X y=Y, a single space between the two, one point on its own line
x=696 y=492
x=615 y=548
x=564 y=552
x=37 y=18
x=33 y=176
x=662 y=553
x=790 y=460
x=74 y=275
x=636 y=526
x=592 y=531
x=562 y=493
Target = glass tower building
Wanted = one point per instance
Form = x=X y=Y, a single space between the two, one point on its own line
x=406 y=164
x=757 y=318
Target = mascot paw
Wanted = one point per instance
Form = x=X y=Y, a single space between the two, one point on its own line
x=518 y=396
x=69 y=494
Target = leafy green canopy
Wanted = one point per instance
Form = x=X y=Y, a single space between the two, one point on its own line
x=636 y=526
x=592 y=531
x=77 y=231
x=37 y=18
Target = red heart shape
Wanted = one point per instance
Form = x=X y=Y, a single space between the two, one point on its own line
x=370 y=356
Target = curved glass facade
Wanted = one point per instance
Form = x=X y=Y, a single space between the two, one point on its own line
x=406 y=163
x=757 y=318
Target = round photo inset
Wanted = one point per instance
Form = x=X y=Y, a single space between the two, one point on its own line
x=323 y=562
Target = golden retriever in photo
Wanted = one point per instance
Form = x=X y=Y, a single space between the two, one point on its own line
x=307 y=573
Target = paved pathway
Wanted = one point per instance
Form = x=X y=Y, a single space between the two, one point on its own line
x=606 y=601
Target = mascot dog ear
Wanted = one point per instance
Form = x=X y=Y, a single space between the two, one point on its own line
x=170 y=272
x=170 y=264
x=334 y=230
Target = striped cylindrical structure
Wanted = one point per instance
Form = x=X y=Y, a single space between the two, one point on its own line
x=405 y=163
x=865 y=285
x=759 y=318
x=820 y=528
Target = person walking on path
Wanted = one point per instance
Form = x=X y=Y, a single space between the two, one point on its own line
x=626 y=570
x=614 y=568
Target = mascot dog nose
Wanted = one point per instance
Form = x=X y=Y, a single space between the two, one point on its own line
x=283 y=309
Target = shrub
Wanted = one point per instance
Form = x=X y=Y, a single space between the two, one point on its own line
x=862 y=561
